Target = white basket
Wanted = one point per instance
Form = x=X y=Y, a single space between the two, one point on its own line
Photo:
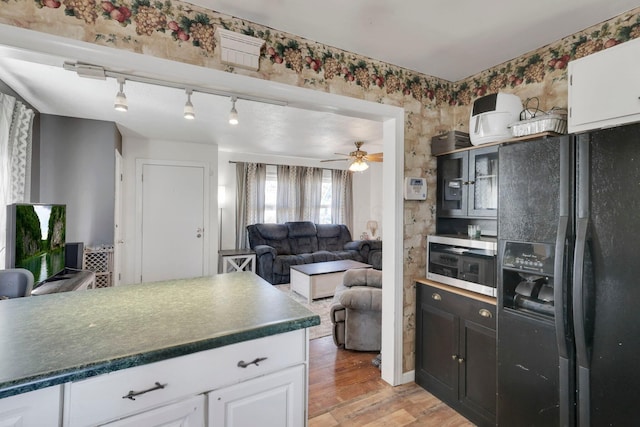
x=100 y=261
x=544 y=123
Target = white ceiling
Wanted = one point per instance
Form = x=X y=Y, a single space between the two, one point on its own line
x=451 y=40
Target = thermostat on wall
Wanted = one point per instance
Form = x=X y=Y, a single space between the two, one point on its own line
x=415 y=188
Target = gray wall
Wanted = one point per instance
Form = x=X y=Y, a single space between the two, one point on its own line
x=77 y=168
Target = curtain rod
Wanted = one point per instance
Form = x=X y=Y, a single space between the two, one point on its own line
x=273 y=164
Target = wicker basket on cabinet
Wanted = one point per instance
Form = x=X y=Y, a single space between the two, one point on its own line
x=100 y=261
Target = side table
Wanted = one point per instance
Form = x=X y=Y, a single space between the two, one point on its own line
x=232 y=260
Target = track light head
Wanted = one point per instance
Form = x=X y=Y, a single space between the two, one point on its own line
x=189 y=111
x=233 y=115
x=120 y=103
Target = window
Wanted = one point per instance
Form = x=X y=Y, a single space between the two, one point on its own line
x=325 y=203
x=271 y=196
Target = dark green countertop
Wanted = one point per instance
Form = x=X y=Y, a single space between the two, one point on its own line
x=52 y=339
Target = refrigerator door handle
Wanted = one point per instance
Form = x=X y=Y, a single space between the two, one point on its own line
x=579 y=324
x=560 y=277
x=558 y=287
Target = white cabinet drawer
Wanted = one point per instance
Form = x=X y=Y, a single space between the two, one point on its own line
x=104 y=398
x=36 y=408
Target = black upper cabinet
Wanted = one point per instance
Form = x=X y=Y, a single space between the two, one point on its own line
x=468 y=183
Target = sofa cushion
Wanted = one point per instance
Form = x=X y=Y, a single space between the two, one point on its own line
x=282 y=263
x=302 y=237
x=274 y=235
x=362 y=277
x=362 y=298
x=354 y=255
x=324 y=256
x=332 y=237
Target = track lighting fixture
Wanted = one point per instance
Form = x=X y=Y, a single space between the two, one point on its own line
x=358 y=165
x=121 y=99
x=120 y=104
x=189 y=112
x=233 y=115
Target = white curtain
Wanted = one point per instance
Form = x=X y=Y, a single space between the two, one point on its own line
x=299 y=194
x=251 y=178
x=342 y=198
x=16 y=123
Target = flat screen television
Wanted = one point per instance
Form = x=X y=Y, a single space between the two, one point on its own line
x=36 y=234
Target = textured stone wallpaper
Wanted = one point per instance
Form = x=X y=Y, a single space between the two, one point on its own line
x=183 y=32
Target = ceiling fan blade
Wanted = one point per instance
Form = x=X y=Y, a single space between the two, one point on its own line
x=333 y=160
x=374 y=157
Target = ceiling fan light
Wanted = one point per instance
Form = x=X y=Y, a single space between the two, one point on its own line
x=189 y=111
x=233 y=114
x=358 y=165
x=120 y=103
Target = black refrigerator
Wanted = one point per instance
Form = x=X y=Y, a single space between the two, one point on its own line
x=569 y=280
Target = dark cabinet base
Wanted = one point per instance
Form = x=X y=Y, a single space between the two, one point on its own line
x=456 y=352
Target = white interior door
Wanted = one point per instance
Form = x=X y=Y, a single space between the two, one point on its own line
x=173 y=201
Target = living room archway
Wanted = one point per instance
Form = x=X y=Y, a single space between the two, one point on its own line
x=27 y=42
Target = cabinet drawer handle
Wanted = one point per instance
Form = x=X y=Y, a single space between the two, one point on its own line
x=485 y=313
x=243 y=364
x=436 y=296
x=132 y=394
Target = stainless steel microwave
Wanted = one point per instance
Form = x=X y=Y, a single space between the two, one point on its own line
x=465 y=263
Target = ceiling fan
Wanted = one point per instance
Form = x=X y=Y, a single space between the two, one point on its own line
x=359 y=158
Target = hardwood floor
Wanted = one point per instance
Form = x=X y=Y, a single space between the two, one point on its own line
x=345 y=389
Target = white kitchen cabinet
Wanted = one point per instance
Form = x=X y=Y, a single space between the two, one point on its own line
x=604 y=88
x=187 y=413
x=142 y=391
x=40 y=408
x=275 y=400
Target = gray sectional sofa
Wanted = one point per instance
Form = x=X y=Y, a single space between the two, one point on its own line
x=279 y=246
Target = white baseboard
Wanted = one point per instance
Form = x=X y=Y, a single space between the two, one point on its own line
x=408 y=377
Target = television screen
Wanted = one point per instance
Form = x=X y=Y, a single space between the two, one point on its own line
x=35 y=239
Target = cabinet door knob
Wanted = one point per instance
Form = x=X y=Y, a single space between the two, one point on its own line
x=436 y=296
x=485 y=313
x=454 y=357
x=460 y=360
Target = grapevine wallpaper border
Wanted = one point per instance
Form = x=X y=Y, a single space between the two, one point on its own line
x=178 y=30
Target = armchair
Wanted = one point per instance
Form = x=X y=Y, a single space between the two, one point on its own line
x=15 y=283
x=356 y=311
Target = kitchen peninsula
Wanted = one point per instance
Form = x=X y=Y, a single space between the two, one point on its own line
x=141 y=354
